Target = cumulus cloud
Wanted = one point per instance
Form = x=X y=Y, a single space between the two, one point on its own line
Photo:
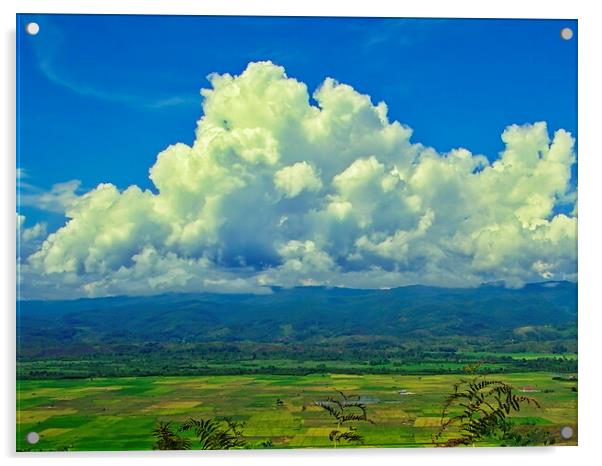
x=277 y=191
x=29 y=239
x=295 y=178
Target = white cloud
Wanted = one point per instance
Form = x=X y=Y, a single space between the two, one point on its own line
x=58 y=199
x=29 y=239
x=294 y=179
x=276 y=191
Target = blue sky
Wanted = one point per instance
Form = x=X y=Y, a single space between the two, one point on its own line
x=94 y=87
x=100 y=96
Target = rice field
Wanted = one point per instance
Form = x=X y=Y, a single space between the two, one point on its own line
x=120 y=413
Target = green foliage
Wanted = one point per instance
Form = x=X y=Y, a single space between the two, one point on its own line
x=168 y=439
x=216 y=434
x=336 y=436
x=483 y=407
x=211 y=434
x=266 y=444
x=344 y=410
x=510 y=435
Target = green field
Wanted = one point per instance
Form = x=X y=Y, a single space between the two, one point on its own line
x=522 y=355
x=119 y=413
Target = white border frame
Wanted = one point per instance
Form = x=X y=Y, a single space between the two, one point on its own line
x=589 y=190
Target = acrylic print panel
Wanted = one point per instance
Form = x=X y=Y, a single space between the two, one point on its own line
x=360 y=233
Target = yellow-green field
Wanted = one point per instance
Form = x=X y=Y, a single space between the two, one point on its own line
x=119 y=414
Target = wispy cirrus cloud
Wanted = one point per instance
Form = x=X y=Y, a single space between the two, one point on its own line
x=21 y=174
x=399 y=31
x=57 y=199
x=50 y=48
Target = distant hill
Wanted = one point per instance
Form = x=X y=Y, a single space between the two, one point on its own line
x=301 y=314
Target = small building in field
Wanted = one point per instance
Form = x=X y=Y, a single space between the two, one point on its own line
x=529 y=389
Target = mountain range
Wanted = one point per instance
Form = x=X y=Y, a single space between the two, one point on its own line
x=302 y=314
